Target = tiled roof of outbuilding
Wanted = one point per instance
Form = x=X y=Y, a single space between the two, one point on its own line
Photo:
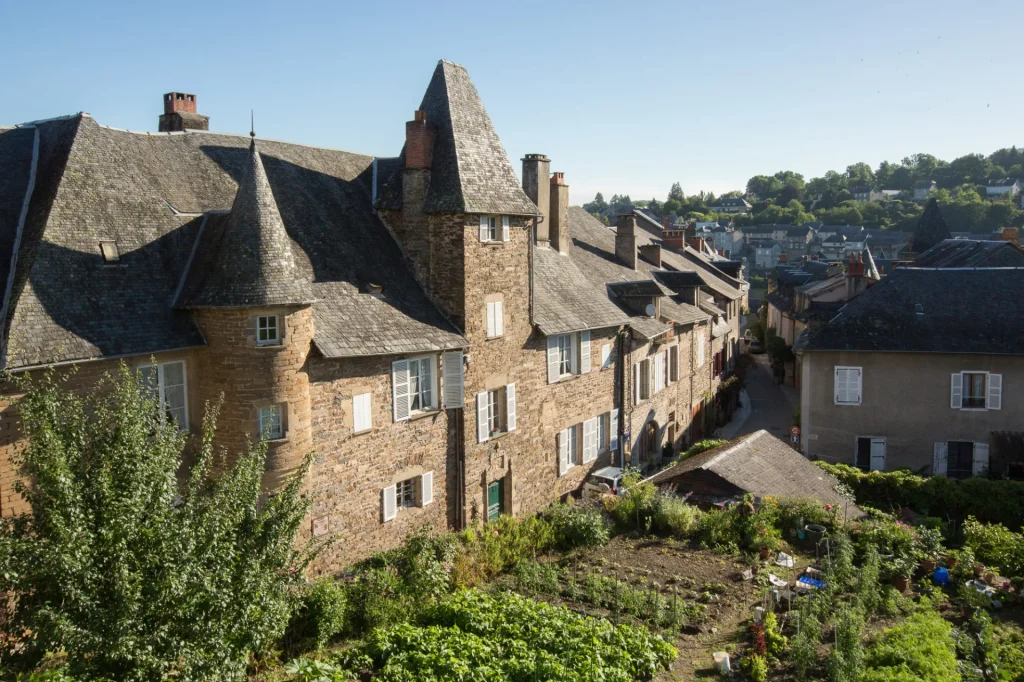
x=149 y=193
x=470 y=172
x=967 y=253
x=961 y=311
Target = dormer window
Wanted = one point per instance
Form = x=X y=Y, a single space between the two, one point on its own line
x=110 y=252
x=494 y=228
x=267 y=331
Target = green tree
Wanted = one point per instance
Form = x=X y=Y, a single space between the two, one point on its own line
x=931 y=228
x=676 y=193
x=130 y=574
x=860 y=174
x=764 y=186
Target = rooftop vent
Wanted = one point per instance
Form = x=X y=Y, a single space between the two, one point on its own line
x=110 y=252
x=919 y=309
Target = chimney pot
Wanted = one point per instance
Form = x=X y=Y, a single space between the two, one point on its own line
x=420 y=116
x=176 y=104
x=558 y=178
x=558 y=230
x=536 y=168
x=419 y=142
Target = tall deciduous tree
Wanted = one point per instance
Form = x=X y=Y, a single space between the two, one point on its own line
x=931 y=228
x=129 y=574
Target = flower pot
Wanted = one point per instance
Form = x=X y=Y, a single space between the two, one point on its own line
x=979 y=570
x=990 y=577
x=900 y=583
x=765 y=553
x=951 y=562
x=815 y=532
x=927 y=565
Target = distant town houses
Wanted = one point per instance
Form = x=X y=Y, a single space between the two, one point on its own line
x=731 y=205
x=922 y=188
x=1004 y=186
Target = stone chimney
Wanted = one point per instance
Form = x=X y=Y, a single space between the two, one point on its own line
x=855 y=280
x=180 y=114
x=558 y=230
x=536 y=169
x=1010 y=234
x=625 y=240
x=419 y=141
x=666 y=223
x=652 y=254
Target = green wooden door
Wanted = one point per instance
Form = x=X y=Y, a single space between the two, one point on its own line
x=495 y=500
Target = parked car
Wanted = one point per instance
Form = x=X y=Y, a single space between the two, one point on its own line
x=607 y=481
x=755 y=347
x=748 y=335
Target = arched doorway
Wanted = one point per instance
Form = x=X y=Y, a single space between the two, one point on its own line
x=648 y=444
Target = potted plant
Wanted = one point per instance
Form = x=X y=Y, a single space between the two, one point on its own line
x=928 y=546
x=899 y=571
x=766 y=541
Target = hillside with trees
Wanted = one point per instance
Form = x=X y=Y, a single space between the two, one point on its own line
x=787 y=197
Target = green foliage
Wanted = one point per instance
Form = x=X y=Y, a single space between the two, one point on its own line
x=846 y=661
x=868 y=590
x=636 y=507
x=990 y=501
x=379 y=598
x=130 y=574
x=708 y=443
x=578 y=525
x=757 y=667
x=920 y=648
x=804 y=647
x=320 y=613
x=776 y=642
x=674 y=517
x=478 y=636
x=1009 y=644
x=498 y=546
x=718 y=528
x=995 y=545
x=308 y=670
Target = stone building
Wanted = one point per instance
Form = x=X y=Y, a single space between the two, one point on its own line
x=450 y=342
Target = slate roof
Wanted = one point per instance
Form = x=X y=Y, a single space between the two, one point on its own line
x=246 y=259
x=1003 y=182
x=149 y=193
x=763 y=465
x=962 y=311
x=470 y=172
x=639 y=288
x=565 y=300
x=969 y=253
x=715 y=279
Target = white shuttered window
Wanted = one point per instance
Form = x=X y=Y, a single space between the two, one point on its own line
x=361 y=413
x=584 y=364
x=452 y=370
x=495 y=320
x=847 y=385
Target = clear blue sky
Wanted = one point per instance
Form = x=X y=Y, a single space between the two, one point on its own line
x=625 y=97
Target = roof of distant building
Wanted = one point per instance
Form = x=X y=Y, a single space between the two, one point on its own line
x=966 y=253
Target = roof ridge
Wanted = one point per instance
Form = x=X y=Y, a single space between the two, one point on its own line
x=722 y=455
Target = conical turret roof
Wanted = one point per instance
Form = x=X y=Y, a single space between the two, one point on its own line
x=254 y=264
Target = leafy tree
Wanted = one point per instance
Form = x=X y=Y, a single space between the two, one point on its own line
x=931 y=228
x=846 y=214
x=132 y=575
x=676 y=193
x=764 y=186
x=860 y=174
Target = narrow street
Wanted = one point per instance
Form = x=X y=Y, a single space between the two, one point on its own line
x=772 y=406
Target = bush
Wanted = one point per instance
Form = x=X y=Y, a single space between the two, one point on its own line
x=718 y=529
x=703 y=445
x=846 y=662
x=920 y=648
x=129 y=573
x=378 y=598
x=995 y=545
x=498 y=546
x=635 y=508
x=578 y=525
x=320 y=613
x=990 y=501
x=673 y=516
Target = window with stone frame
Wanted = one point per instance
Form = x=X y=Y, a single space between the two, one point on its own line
x=405 y=493
x=166 y=382
x=565 y=354
x=272 y=422
x=602 y=432
x=268 y=331
x=421 y=384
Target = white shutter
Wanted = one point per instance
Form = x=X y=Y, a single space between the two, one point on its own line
x=840 y=385
x=980 y=459
x=553 y=360
x=563 y=451
x=361 y=416
x=499 y=318
x=504 y=228
x=452 y=369
x=673 y=364
x=584 y=352
x=400 y=389
x=482 y=424
x=388 y=503
x=484 y=228
x=491 y=326
x=606 y=354
x=939 y=460
x=700 y=351
x=636 y=383
x=426 y=488
x=877 y=455
x=995 y=391
x=853 y=384
x=956 y=391
x=589 y=440
x=510 y=407
x=613 y=434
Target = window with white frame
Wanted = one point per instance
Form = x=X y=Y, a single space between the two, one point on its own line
x=976 y=391
x=848 y=382
x=267 y=332
x=495 y=319
x=416 y=491
x=568 y=354
x=606 y=356
x=271 y=418
x=568 y=448
x=700 y=350
x=166 y=382
x=565 y=345
x=496 y=412
x=362 y=419
x=602 y=432
x=494 y=228
x=421 y=384
x=405 y=493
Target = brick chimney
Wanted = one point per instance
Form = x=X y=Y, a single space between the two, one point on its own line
x=419 y=141
x=855 y=281
x=625 y=240
x=536 y=169
x=1010 y=234
x=652 y=254
x=696 y=243
x=180 y=114
x=558 y=230
x=666 y=223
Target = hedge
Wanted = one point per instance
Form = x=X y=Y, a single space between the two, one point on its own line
x=988 y=500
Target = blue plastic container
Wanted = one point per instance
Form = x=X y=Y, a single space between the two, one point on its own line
x=941 y=576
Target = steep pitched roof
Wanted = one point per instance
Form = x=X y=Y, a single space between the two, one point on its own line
x=151 y=193
x=565 y=300
x=249 y=260
x=763 y=465
x=968 y=253
x=960 y=311
x=470 y=171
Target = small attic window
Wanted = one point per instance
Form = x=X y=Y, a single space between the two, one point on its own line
x=375 y=290
x=110 y=252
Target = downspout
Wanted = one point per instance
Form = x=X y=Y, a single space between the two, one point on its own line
x=624 y=392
